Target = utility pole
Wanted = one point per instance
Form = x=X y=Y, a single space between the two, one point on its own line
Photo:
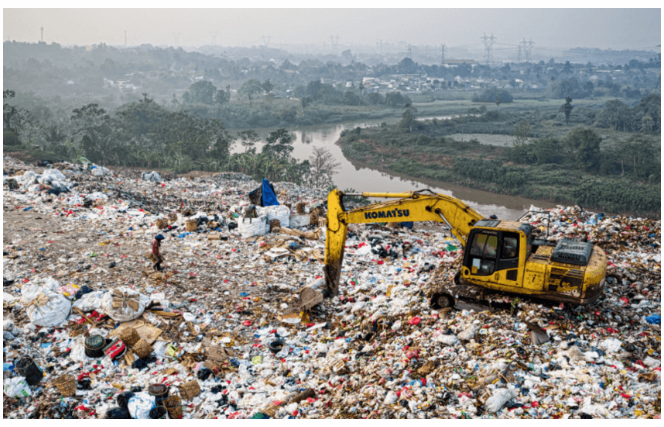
x=42 y=34
x=488 y=47
x=442 y=55
x=213 y=34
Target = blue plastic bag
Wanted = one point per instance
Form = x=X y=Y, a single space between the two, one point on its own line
x=655 y=319
x=269 y=198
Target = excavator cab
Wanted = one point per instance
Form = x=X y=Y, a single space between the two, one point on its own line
x=499 y=255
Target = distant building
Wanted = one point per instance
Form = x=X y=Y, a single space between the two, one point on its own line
x=451 y=63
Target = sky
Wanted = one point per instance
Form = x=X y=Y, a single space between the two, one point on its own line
x=553 y=28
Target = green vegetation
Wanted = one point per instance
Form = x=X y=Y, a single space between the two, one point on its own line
x=148 y=135
x=573 y=165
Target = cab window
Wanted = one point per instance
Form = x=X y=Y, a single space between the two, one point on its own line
x=483 y=254
x=510 y=247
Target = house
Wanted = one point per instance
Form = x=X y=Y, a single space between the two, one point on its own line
x=452 y=63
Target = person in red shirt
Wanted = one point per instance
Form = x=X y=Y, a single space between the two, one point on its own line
x=156 y=246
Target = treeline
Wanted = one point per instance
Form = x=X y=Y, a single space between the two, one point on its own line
x=146 y=134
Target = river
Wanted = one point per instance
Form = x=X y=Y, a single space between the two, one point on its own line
x=365 y=179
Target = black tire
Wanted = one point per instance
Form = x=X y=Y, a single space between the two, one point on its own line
x=445 y=301
x=440 y=301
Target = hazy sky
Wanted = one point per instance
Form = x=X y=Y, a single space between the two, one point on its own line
x=555 y=28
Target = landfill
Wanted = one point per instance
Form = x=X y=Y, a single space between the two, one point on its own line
x=91 y=330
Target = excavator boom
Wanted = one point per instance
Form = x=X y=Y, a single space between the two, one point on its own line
x=411 y=206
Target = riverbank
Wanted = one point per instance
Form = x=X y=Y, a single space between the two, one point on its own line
x=443 y=161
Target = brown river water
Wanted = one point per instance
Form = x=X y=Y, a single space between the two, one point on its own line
x=366 y=179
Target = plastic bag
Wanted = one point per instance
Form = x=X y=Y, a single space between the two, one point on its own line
x=140 y=405
x=151 y=176
x=124 y=304
x=280 y=212
x=611 y=345
x=17 y=387
x=447 y=339
x=299 y=221
x=500 y=397
x=90 y=301
x=48 y=309
x=250 y=227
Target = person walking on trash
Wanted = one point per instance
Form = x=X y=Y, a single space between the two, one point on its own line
x=157 y=259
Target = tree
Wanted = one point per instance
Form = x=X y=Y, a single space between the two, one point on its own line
x=14 y=119
x=323 y=166
x=408 y=118
x=202 y=92
x=267 y=86
x=95 y=133
x=586 y=143
x=567 y=108
x=498 y=100
x=251 y=88
x=361 y=89
x=278 y=144
x=248 y=139
x=222 y=97
x=522 y=132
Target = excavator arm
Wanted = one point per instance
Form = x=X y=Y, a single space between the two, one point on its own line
x=411 y=206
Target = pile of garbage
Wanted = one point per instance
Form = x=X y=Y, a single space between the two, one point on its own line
x=91 y=330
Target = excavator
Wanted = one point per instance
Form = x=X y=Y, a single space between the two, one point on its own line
x=498 y=256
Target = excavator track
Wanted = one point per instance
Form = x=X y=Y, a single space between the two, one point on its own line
x=451 y=293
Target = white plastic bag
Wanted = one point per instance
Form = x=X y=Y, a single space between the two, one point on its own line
x=280 y=212
x=611 y=345
x=17 y=387
x=151 y=176
x=447 y=339
x=90 y=301
x=250 y=227
x=140 y=405
x=48 y=309
x=299 y=221
x=500 y=397
x=123 y=304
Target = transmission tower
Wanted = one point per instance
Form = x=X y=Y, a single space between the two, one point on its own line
x=176 y=36
x=442 y=55
x=519 y=55
x=42 y=34
x=333 y=41
x=213 y=34
x=380 y=47
x=488 y=47
x=266 y=40
x=530 y=49
x=410 y=52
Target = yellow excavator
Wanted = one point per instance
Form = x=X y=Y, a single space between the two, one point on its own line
x=499 y=256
